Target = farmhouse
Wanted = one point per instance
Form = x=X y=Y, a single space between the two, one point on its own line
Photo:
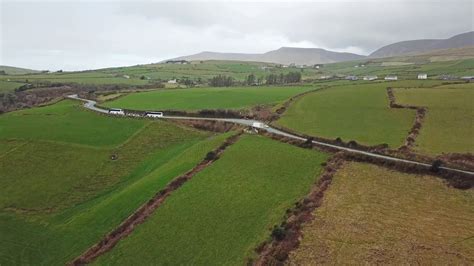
x=353 y=78
x=114 y=111
x=154 y=114
x=370 y=78
x=126 y=76
x=318 y=66
x=172 y=81
x=422 y=76
x=391 y=77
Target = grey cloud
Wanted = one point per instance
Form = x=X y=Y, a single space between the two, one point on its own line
x=80 y=35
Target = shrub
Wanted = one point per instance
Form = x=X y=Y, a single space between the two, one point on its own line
x=278 y=233
x=211 y=156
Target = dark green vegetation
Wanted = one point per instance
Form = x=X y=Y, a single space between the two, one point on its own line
x=449 y=122
x=225 y=211
x=206 y=98
x=62 y=193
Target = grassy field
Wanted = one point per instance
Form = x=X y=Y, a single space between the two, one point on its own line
x=353 y=112
x=66 y=121
x=449 y=123
x=7 y=86
x=61 y=193
x=371 y=215
x=219 y=216
x=206 y=98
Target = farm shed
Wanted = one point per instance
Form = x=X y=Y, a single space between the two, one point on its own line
x=391 y=77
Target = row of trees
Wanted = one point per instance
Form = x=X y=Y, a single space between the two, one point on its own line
x=221 y=81
x=291 y=77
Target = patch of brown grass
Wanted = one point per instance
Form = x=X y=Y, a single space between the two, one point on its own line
x=372 y=215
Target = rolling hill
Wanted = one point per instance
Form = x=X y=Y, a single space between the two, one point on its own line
x=425 y=45
x=9 y=70
x=284 y=55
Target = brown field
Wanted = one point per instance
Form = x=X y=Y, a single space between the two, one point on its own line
x=372 y=215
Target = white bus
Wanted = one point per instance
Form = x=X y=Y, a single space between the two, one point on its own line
x=154 y=114
x=116 y=111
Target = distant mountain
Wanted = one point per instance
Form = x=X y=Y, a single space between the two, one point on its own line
x=284 y=55
x=9 y=70
x=425 y=45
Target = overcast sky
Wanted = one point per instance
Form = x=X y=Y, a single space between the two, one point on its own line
x=78 y=35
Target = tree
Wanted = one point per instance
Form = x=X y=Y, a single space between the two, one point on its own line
x=221 y=81
x=250 y=79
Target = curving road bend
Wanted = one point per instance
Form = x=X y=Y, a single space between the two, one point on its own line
x=91 y=105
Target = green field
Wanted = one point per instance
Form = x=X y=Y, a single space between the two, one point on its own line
x=206 y=98
x=66 y=121
x=449 y=122
x=357 y=112
x=7 y=86
x=371 y=215
x=61 y=193
x=225 y=211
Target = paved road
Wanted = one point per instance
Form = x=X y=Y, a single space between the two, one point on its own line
x=89 y=104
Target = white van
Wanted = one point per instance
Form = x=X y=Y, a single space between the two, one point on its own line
x=259 y=125
x=154 y=114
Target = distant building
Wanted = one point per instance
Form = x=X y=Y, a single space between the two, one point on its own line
x=172 y=81
x=114 y=111
x=370 y=78
x=422 y=76
x=391 y=77
x=126 y=76
x=182 y=62
x=468 y=78
x=318 y=66
x=353 y=78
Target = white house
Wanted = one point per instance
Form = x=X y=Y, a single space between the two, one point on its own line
x=370 y=78
x=172 y=81
x=154 y=114
x=352 y=77
x=126 y=76
x=422 y=76
x=391 y=77
x=116 y=111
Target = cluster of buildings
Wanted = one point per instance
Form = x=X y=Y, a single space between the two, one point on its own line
x=387 y=77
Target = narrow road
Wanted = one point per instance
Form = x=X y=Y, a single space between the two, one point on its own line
x=89 y=104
